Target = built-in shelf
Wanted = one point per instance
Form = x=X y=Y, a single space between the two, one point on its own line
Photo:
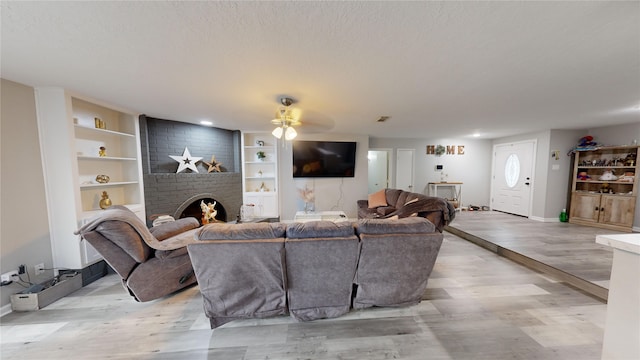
x=105 y=158
x=80 y=128
x=260 y=190
x=115 y=183
x=71 y=147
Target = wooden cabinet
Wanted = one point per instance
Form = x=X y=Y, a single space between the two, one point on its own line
x=601 y=200
x=260 y=173
x=75 y=150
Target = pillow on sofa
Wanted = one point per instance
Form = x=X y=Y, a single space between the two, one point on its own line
x=376 y=199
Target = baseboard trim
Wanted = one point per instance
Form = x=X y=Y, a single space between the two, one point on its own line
x=586 y=286
x=6 y=309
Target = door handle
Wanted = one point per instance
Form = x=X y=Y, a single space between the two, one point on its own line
x=597 y=209
x=526 y=183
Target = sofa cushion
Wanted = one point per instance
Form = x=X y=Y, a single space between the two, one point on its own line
x=248 y=231
x=320 y=229
x=173 y=228
x=409 y=225
x=126 y=237
x=376 y=199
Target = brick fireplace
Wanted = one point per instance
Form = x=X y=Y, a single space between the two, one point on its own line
x=169 y=193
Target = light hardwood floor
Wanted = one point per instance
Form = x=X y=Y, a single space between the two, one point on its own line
x=566 y=251
x=478 y=305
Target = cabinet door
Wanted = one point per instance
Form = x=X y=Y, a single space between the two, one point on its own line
x=270 y=205
x=585 y=206
x=265 y=203
x=617 y=210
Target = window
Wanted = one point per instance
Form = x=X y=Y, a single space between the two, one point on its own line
x=512 y=170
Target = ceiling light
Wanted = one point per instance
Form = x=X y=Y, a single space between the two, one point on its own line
x=277 y=132
x=285 y=120
x=206 y=123
x=290 y=133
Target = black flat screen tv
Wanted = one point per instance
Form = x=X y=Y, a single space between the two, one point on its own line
x=323 y=159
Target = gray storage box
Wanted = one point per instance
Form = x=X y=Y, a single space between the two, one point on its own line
x=31 y=299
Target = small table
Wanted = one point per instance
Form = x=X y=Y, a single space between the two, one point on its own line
x=302 y=216
x=455 y=189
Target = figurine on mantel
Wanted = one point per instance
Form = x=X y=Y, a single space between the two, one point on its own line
x=209 y=212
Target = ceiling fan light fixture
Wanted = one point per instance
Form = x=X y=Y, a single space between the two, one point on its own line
x=285 y=120
x=290 y=133
x=277 y=132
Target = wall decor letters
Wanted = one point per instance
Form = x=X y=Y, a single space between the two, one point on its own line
x=448 y=150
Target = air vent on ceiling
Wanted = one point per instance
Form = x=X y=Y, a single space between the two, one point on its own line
x=383 y=118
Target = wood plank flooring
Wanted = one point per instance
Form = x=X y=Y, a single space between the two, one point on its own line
x=566 y=251
x=478 y=305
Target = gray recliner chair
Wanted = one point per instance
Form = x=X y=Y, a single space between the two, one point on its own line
x=240 y=270
x=151 y=262
x=395 y=262
x=321 y=262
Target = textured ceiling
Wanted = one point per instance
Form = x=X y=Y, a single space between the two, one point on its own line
x=439 y=69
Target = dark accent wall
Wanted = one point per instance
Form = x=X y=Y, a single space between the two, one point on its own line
x=164 y=189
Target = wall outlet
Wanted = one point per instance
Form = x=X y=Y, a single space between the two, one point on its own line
x=39 y=269
x=6 y=277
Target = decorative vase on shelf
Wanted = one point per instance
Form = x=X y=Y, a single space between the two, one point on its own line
x=309 y=207
x=105 y=202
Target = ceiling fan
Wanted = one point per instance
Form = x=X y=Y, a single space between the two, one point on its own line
x=286 y=118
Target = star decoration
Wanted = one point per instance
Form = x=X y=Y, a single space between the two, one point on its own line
x=213 y=164
x=186 y=161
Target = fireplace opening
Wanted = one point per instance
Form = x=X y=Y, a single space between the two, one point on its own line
x=191 y=208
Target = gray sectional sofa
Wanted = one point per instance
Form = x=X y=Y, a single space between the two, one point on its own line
x=312 y=270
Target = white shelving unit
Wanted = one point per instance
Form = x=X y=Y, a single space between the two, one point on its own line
x=260 y=176
x=70 y=145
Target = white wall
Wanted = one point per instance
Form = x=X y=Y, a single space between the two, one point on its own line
x=473 y=168
x=331 y=193
x=559 y=172
x=24 y=225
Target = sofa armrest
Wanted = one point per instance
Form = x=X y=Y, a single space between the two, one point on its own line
x=173 y=228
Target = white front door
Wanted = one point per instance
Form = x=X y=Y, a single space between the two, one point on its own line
x=404 y=169
x=378 y=170
x=513 y=177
